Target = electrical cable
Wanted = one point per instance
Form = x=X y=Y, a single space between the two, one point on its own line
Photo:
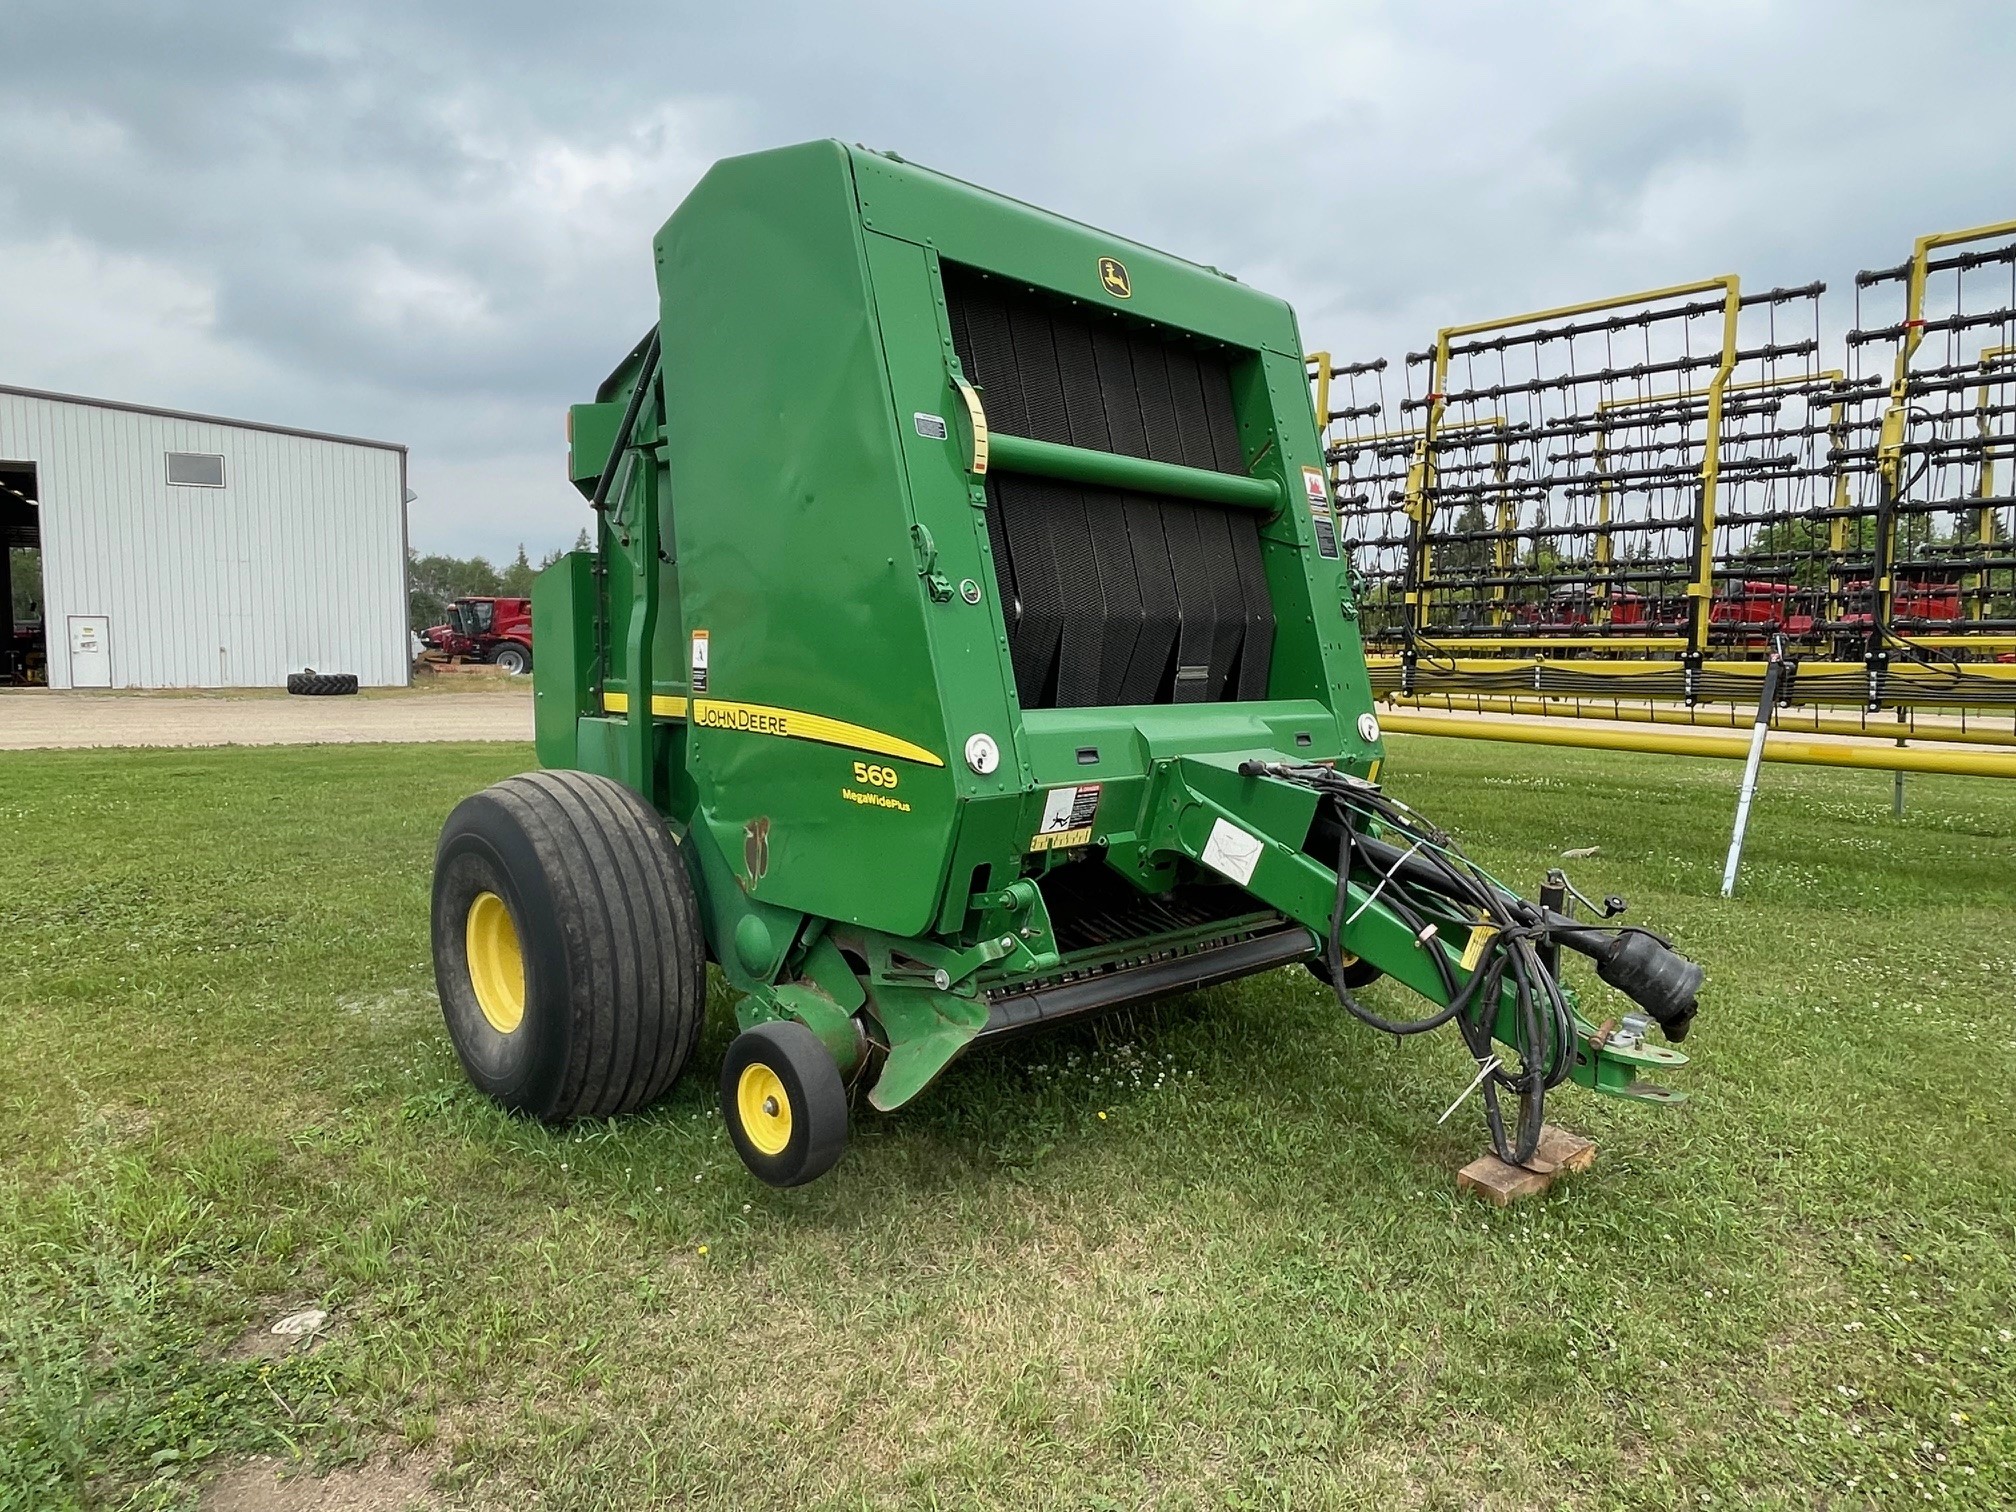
x=1424 y=881
x=1429 y=874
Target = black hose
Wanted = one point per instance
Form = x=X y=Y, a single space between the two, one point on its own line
x=1430 y=866
x=1333 y=957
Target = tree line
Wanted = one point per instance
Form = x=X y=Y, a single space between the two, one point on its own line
x=436 y=581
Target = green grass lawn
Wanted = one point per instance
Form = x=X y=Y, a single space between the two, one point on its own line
x=1205 y=1255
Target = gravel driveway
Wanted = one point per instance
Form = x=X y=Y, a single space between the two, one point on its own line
x=38 y=719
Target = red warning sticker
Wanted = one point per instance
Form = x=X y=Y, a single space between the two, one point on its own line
x=1317 y=489
x=1067 y=817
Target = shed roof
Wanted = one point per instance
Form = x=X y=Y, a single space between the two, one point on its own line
x=175 y=414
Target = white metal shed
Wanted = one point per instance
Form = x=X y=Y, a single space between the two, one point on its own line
x=192 y=551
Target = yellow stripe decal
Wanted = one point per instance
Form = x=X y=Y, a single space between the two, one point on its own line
x=763 y=719
x=664 y=705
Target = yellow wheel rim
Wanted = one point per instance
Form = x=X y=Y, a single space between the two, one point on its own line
x=763 y=1108
x=496 y=964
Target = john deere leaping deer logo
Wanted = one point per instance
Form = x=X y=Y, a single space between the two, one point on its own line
x=1113 y=277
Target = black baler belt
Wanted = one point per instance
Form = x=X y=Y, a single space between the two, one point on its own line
x=1158 y=404
x=1219 y=415
x=1143 y=677
x=1113 y=598
x=1113 y=555
x=1256 y=650
x=1073 y=548
x=1040 y=586
x=1197 y=678
x=1038 y=375
x=988 y=356
x=1186 y=397
x=1118 y=400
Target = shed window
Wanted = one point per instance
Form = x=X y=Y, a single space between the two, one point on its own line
x=195 y=470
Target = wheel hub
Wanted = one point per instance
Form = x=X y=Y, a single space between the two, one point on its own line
x=764 y=1108
x=496 y=962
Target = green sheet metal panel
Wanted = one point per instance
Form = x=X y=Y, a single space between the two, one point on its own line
x=791 y=533
x=967 y=224
x=1318 y=651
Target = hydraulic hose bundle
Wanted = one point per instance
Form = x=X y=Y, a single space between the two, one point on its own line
x=1429 y=863
x=1422 y=877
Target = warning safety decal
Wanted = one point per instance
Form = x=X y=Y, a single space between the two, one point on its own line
x=1318 y=490
x=700 y=661
x=1067 y=817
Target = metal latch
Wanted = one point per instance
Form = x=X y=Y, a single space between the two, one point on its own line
x=935 y=582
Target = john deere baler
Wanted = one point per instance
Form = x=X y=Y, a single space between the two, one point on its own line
x=966 y=647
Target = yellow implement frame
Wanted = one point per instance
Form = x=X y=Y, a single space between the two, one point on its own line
x=1900 y=672
x=1321 y=402
x=1881 y=758
x=1421 y=478
x=1502 y=547
x=1890 y=445
x=1853 y=550
x=1837 y=531
x=1710 y=718
x=1991 y=359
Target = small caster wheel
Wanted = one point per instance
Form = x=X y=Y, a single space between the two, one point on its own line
x=785 y=1104
x=1357 y=973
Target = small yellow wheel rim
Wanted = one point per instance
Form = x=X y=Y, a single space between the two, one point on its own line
x=763 y=1108
x=496 y=964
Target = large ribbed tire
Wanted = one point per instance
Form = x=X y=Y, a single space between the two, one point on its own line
x=514 y=657
x=567 y=946
x=321 y=684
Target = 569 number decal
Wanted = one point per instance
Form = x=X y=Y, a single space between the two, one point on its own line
x=873 y=792
x=874 y=776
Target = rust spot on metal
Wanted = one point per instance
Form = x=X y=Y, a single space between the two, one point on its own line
x=756 y=847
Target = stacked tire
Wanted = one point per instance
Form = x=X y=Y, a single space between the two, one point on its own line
x=313 y=684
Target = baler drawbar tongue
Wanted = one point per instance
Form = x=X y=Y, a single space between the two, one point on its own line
x=1406 y=902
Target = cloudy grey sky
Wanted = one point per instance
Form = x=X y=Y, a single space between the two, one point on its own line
x=431 y=222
